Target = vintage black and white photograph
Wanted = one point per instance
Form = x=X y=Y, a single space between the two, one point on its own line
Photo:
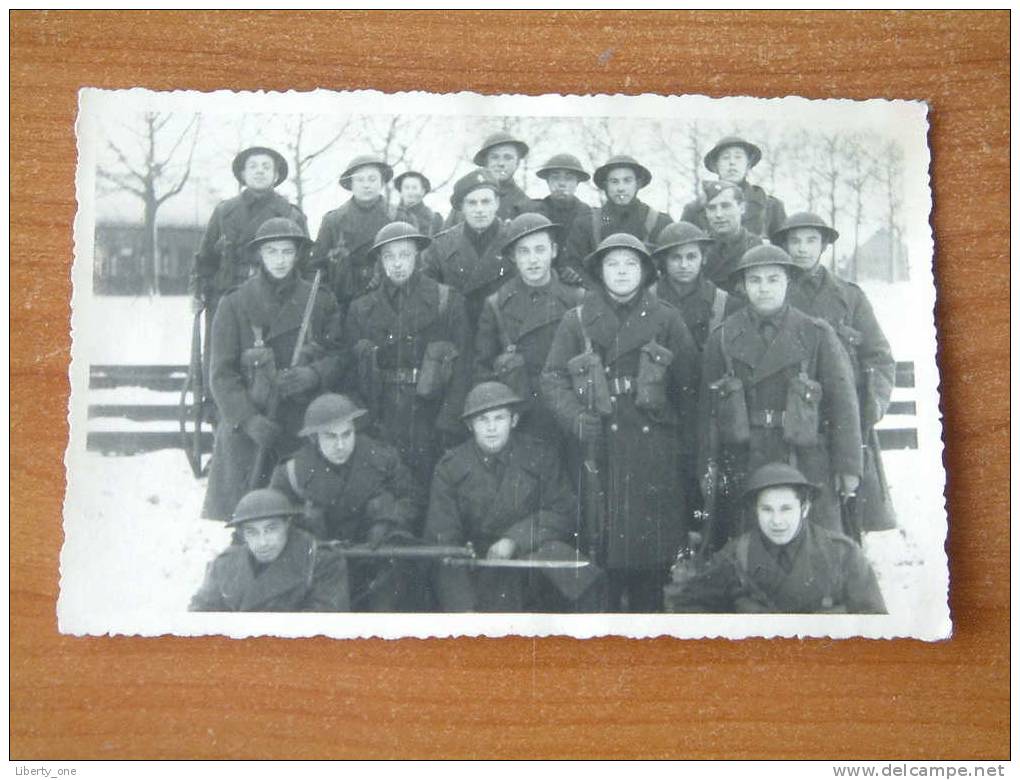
x=359 y=364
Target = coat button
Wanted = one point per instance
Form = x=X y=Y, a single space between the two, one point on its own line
x=614 y=427
x=644 y=429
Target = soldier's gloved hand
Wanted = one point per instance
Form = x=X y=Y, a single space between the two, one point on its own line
x=318 y=261
x=502 y=550
x=294 y=381
x=847 y=484
x=570 y=276
x=263 y=431
x=377 y=534
x=589 y=427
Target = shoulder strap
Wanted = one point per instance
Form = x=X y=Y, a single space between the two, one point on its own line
x=504 y=337
x=584 y=331
x=718 y=309
x=444 y=297
x=650 y=221
x=725 y=355
x=806 y=362
x=596 y=224
x=741 y=548
x=292 y=478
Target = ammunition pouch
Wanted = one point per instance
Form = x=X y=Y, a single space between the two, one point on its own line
x=258 y=366
x=729 y=408
x=436 y=369
x=800 y=422
x=655 y=359
x=510 y=369
x=588 y=378
x=367 y=369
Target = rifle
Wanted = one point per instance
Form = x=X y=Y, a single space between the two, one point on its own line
x=711 y=494
x=593 y=496
x=192 y=443
x=262 y=453
x=449 y=555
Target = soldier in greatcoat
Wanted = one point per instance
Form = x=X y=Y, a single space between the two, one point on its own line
x=731 y=159
x=411 y=343
x=724 y=207
x=783 y=563
x=620 y=178
x=680 y=256
x=507 y=495
x=254 y=336
x=621 y=379
x=274 y=565
x=563 y=173
x=222 y=261
x=501 y=154
x=413 y=187
x=844 y=305
x=347 y=233
x=519 y=320
x=356 y=490
x=467 y=256
x=776 y=386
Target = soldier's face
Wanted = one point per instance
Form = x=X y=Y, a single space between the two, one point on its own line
x=562 y=184
x=266 y=538
x=398 y=259
x=621 y=272
x=780 y=513
x=411 y=191
x=683 y=263
x=621 y=185
x=805 y=245
x=502 y=161
x=533 y=256
x=278 y=257
x=724 y=213
x=259 y=172
x=491 y=429
x=366 y=183
x=733 y=164
x=480 y=208
x=336 y=443
x=766 y=287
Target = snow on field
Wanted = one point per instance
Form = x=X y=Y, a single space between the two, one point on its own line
x=135 y=330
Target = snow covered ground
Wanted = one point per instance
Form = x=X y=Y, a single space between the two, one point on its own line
x=135 y=520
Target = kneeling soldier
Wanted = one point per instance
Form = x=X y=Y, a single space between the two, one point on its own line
x=276 y=567
x=783 y=563
x=776 y=386
x=519 y=320
x=507 y=495
x=412 y=345
x=355 y=490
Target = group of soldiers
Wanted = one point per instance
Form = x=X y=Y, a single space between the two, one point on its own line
x=534 y=405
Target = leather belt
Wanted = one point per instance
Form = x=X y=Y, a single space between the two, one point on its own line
x=622 y=385
x=766 y=418
x=399 y=376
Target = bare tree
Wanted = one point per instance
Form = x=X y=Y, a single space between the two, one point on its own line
x=860 y=170
x=150 y=173
x=827 y=170
x=889 y=175
x=300 y=156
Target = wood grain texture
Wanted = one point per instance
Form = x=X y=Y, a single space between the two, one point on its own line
x=213 y=697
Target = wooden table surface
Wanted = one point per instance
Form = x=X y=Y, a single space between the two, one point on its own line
x=215 y=697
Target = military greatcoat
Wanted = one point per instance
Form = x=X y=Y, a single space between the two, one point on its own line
x=844 y=305
x=223 y=259
x=401 y=323
x=723 y=254
x=306 y=577
x=345 y=236
x=766 y=354
x=763 y=213
x=427 y=221
x=369 y=496
x=575 y=217
x=697 y=303
x=273 y=311
x=454 y=260
x=520 y=493
x=529 y=317
x=645 y=453
x=823 y=572
x=634 y=219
